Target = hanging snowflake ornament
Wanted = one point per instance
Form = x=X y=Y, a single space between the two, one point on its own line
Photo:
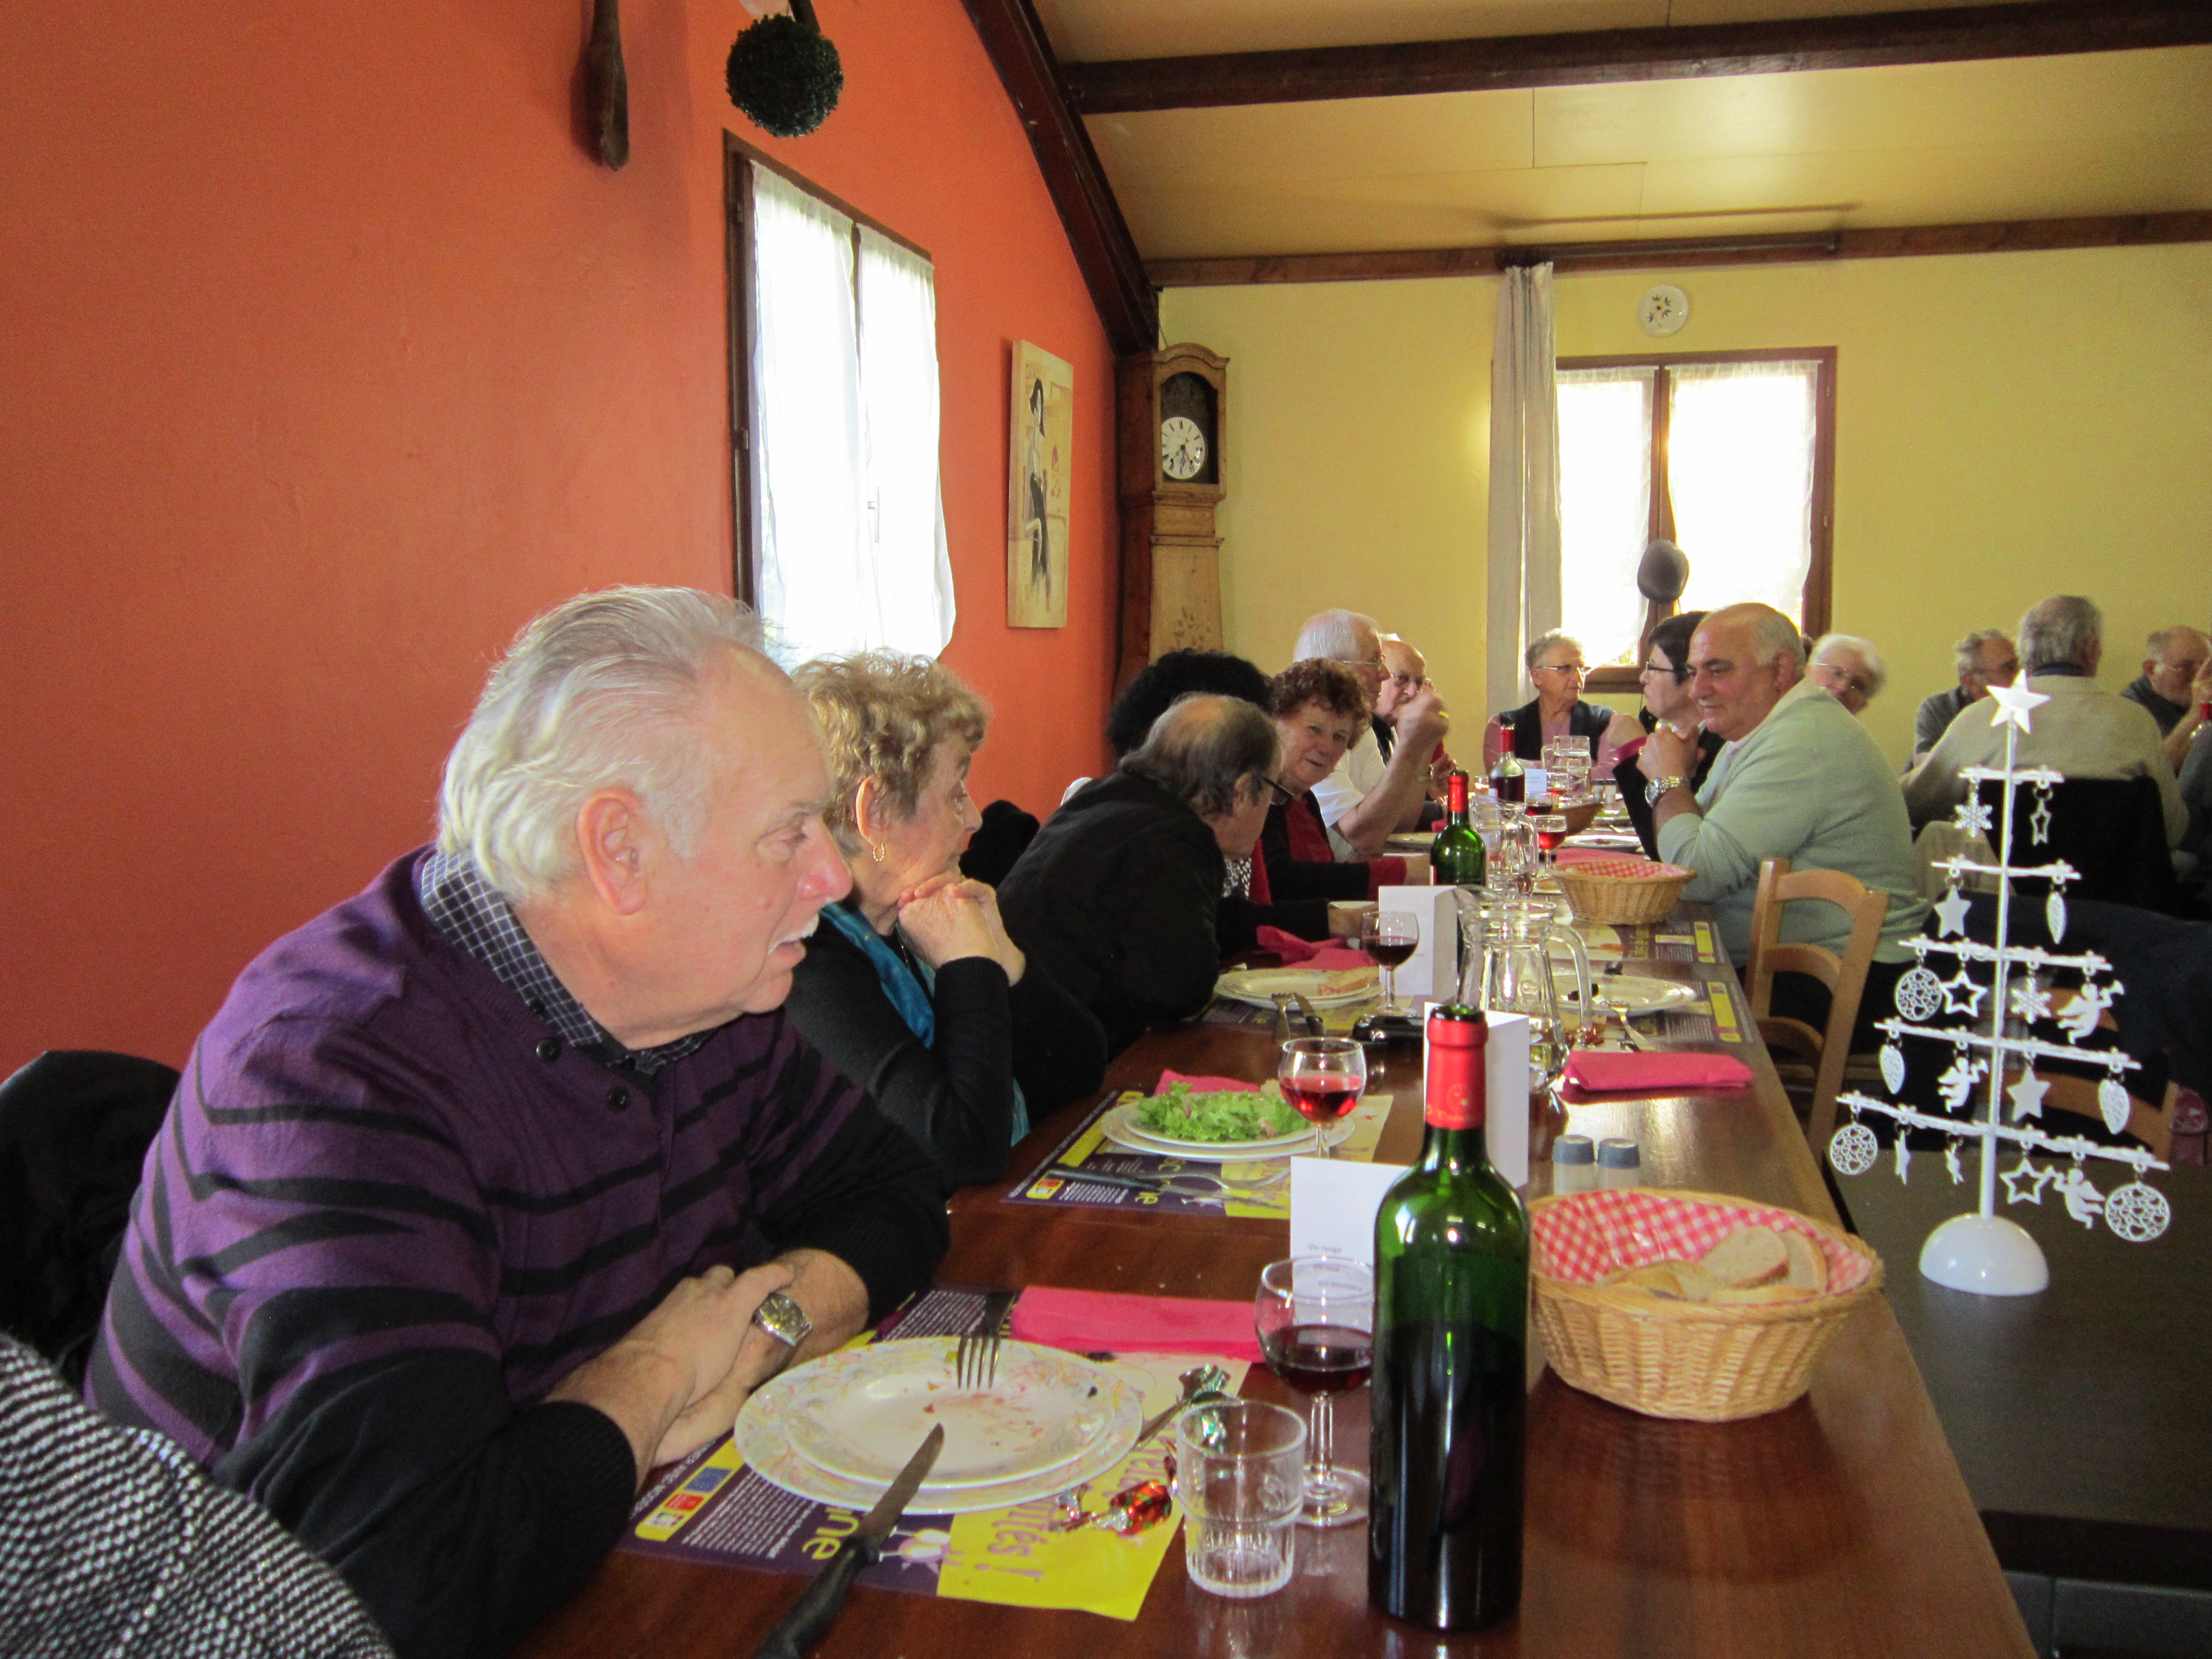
x=2112 y=1101
x=1892 y=1066
x=2027 y=1096
x=1951 y=912
x=1853 y=1149
x=1972 y=815
x=2136 y=1213
x=2030 y=1000
x=1919 y=993
x=2025 y=1181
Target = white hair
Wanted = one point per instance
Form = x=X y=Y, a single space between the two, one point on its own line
x=600 y=692
x=1333 y=634
x=1969 y=648
x=2066 y=627
x=1877 y=672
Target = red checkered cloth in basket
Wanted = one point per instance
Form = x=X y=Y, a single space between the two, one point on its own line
x=1584 y=1237
x=1625 y=865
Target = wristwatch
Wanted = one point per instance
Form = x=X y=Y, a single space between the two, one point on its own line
x=783 y=1319
x=1659 y=786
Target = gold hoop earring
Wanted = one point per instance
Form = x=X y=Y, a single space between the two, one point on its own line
x=876 y=851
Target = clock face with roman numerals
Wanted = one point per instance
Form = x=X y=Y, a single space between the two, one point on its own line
x=1182 y=448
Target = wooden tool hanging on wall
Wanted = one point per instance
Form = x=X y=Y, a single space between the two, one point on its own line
x=607 y=84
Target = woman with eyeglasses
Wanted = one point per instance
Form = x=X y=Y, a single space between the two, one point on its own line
x=1555 y=667
x=1668 y=701
x=1319 y=708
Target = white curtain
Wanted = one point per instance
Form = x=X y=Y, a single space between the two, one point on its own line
x=1740 y=442
x=1524 y=480
x=810 y=468
x=1604 y=506
x=912 y=604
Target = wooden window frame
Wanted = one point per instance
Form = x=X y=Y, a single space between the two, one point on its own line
x=738 y=160
x=1818 y=572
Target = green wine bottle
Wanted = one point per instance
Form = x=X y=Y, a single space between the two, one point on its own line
x=1455 y=856
x=1450 y=1384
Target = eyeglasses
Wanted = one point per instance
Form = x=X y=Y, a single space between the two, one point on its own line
x=1558 y=668
x=1678 y=675
x=1283 y=797
x=1409 y=682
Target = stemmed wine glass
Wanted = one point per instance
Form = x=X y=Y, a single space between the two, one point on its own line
x=1551 y=828
x=1316 y=1320
x=1324 y=1077
x=1390 y=936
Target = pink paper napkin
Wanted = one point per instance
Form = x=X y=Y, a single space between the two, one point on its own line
x=1602 y=1072
x=1329 y=958
x=1207 y=1085
x=1089 y=1321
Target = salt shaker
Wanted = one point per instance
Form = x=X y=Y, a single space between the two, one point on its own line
x=1620 y=1163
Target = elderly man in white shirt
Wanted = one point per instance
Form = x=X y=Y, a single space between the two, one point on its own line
x=1798 y=779
x=1367 y=799
x=2084 y=730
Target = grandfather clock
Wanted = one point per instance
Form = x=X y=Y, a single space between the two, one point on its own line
x=1172 y=409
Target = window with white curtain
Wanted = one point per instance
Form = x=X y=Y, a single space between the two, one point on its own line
x=841 y=514
x=1729 y=455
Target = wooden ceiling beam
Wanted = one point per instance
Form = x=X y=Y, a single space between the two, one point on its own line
x=1104 y=251
x=2015 y=236
x=2036 y=29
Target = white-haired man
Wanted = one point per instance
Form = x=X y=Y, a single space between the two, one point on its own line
x=505 y=1181
x=1849 y=669
x=1985 y=657
x=1367 y=799
x=1797 y=778
x=2083 y=730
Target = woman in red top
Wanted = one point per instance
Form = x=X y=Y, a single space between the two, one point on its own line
x=1319 y=707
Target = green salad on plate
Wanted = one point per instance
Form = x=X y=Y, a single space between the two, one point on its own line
x=1188 y=1114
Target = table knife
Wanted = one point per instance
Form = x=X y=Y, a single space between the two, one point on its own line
x=817 y=1607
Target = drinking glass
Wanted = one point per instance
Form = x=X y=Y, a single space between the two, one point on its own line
x=1238 y=1477
x=1316 y=1319
x=1390 y=936
x=1324 y=1077
x=1551 y=830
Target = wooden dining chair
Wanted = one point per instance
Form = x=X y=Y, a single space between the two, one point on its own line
x=1823 y=1052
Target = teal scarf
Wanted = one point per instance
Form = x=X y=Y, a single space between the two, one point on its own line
x=910 y=986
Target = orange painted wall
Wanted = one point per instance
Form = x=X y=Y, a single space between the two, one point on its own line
x=329 y=357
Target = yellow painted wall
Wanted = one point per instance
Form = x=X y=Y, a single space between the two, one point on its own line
x=2007 y=426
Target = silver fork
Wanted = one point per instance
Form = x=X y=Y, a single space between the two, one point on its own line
x=975 y=1358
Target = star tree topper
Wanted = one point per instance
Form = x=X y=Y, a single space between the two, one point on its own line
x=2014 y=702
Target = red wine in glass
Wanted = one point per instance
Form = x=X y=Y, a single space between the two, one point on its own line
x=1390 y=952
x=1550 y=832
x=1320 y=1358
x=1320 y=1098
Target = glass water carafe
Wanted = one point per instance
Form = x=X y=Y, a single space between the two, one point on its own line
x=1506 y=967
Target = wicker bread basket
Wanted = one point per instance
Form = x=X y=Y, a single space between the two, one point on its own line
x=1623 y=891
x=1688 y=1359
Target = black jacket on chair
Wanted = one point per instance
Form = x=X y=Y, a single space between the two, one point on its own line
x=1117 y=898
x=75 y=1125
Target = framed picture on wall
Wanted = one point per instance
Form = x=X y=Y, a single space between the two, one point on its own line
x=1042 y=429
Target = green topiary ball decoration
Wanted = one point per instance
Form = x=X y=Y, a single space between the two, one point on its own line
x=785 y=75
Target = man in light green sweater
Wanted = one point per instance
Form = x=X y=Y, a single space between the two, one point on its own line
x=1799 y=780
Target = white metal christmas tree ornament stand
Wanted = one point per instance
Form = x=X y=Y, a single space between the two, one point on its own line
x=1983 y=1251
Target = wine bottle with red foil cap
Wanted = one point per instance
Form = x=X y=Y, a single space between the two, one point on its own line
x=1509 y=779
x=1455 y=856
x=1450 y=1382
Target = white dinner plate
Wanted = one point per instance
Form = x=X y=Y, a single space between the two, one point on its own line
x=1261 y=986
x=1123 y=1128
x=1049 y=1421
x=1633 y=994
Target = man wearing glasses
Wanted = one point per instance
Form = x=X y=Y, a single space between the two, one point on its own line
x=1555 y=667
x=1367 y=797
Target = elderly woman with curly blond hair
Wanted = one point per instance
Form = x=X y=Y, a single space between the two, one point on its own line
x=912 y=986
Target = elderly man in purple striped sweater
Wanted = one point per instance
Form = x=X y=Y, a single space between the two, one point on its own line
x=504 y=1181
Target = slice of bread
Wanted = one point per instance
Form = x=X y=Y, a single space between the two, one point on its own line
x=1809 y=1267
x=1741 y=1294
x=1749 y=1255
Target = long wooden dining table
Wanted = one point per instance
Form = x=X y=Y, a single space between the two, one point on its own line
x=1839 y=1526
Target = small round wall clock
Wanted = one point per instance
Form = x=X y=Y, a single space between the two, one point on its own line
x=1662 y=310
